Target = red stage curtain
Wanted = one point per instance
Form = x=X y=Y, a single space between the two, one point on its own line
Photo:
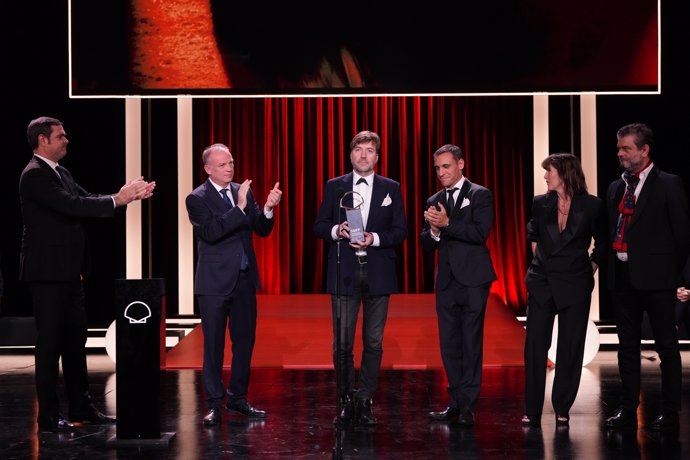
x=303 y=142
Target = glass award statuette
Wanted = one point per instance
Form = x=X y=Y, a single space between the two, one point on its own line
x=353 y=215
x=354 y=220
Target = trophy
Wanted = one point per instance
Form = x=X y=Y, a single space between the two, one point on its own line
x=353 y=215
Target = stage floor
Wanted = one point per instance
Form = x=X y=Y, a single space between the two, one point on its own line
x=301 y=406
x=294 y=331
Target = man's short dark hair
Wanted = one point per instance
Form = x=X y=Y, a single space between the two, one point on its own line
x=642 y=133
x=41 y=125
x=454 y=149
x=366 y=136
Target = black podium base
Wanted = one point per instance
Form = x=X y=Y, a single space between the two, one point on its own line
x=163 y=441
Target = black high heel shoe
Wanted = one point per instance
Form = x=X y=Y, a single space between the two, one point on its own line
x=562 y=420
x=531 y=420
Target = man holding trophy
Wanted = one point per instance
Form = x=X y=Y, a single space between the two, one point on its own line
x=362 y=219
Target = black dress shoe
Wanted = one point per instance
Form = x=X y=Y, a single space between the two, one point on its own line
x=533 y=421
x=55 y=425
x=243 y=407
x=667 y=421
x=212 y=418
x=446 y=415
x=623 y=419
x=363 y=412
x=466 y=418
x=92 y=416
x=347 y=410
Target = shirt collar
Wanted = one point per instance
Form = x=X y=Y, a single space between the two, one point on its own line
x=50 y=163
x=218 y=187
x=356 y=177
x=458 y=185
x=642 y=175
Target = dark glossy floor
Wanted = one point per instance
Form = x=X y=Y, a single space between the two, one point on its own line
x=301 y=406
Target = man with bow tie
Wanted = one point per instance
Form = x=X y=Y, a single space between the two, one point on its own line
x=457 y=221
x=224 y=215
x=54 y=257
x=367 y=268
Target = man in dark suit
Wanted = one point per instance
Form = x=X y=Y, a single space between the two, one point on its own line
x=224 y=215
x=650 y=238
x=367 y=268
x=53 y=259
x=457 y=221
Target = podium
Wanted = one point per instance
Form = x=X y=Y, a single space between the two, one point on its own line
x=140 y=337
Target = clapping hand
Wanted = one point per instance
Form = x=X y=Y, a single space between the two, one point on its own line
x=273 y=197
x=136 y=189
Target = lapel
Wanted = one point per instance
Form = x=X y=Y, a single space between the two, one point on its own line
x=551 y=217
x=234 y=189
x=464 y=190
x=645 y=193
x=62 y=179
x=215 y=198
x=67 y=180
x=378 y=193
x=575 y=218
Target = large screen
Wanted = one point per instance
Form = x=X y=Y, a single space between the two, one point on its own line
x=166 y=48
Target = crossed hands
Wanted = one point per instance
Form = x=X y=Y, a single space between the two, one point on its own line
x=136 y=189
x=344 y=232
x=683 y=294
x=437 y=218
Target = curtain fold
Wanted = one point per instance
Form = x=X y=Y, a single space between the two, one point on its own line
x=303 y=142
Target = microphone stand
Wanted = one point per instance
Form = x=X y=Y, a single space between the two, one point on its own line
x=338 y=448
x=339 y=367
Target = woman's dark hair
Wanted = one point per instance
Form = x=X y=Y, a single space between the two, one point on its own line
x=569 y=169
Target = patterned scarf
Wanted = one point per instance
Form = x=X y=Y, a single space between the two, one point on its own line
x=626 y=208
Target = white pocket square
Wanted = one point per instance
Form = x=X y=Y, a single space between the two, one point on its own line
x=465 y=202
x=387 y=201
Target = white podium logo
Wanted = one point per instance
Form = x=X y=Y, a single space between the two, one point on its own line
x=137 y=312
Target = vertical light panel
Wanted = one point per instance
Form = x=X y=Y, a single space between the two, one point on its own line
x=185 y=240
x=541 y=141
x=133 y=237
x=588 y=141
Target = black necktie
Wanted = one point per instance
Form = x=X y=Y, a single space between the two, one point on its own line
x=451 y=200
x=362 y=181
x=226 y=198
x=244 y=262
x=62 y=172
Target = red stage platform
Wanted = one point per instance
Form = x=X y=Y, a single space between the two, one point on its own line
x=294 y=331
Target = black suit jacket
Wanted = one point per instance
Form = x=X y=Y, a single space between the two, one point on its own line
x=386 y=218
x=562 y=265
x=221 y=235
x=462 y=251
x=54 y=241
x=659 y=233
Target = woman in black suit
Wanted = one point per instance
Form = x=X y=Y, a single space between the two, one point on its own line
x=559 y=281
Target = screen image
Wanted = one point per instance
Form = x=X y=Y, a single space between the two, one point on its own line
x=220 y=47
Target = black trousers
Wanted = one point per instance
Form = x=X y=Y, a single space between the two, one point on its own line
x=375 y=313
x=237 y=313
x=460 y=310
x=572 y=331
x=61 y=328
x=629 y=305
